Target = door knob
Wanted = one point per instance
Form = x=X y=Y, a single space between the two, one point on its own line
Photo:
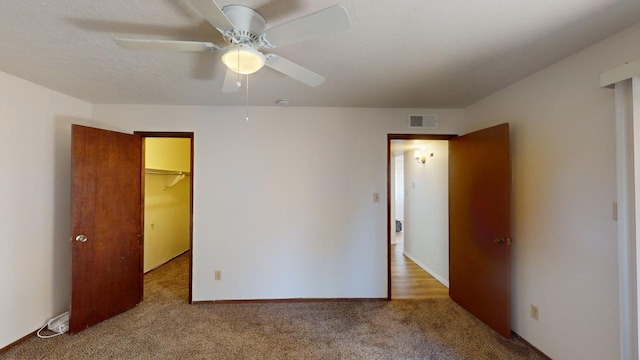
x=502 y=241
x=81 y=238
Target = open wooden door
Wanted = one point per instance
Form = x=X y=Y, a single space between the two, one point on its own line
x=106 y=225
x=479 y=225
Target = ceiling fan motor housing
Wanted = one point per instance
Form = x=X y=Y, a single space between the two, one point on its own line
x=248 y=25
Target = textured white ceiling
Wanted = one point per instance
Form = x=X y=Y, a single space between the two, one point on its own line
x=398 y=53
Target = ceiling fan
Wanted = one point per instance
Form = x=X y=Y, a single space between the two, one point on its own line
x=243 y=30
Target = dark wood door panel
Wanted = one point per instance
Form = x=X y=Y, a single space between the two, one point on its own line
x=106 y=208
x=479 y=217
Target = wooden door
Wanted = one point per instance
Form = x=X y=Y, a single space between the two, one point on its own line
x=106 y=200
x=479 y=225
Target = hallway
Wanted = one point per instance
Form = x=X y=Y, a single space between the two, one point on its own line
x=409 y=281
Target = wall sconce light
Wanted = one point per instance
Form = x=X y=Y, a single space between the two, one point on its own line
x=420 y=158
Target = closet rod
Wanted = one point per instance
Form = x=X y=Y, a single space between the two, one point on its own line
x=165 y=172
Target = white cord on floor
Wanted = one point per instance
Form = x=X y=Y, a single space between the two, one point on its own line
x=47 y=336
x=58 y=325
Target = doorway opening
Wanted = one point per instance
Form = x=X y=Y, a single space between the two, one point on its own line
x=168 y=212
x=417 y=216
x=479 y=208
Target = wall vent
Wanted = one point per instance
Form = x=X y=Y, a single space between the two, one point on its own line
x=423 y=121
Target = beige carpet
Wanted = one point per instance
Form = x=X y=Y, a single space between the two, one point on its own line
x=164 y=326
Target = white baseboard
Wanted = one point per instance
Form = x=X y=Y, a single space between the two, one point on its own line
x=427 y=269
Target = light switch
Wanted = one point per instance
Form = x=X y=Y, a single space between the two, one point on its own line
x=376 y=197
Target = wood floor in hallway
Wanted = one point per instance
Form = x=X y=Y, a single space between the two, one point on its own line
x=409 y=281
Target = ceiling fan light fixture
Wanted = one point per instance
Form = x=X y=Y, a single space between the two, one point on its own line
x=243 y=59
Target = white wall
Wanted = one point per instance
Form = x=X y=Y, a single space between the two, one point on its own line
x=283 y=204
x=564 y=254
x=35 y=209
x=399 y=187
x=392 y=201
x=396 y=196
x=426 y=231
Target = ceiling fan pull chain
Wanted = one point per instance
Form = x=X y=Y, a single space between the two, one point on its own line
x=247 y=108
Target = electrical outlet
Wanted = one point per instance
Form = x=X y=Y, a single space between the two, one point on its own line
x=535 y=313
x=218 y=275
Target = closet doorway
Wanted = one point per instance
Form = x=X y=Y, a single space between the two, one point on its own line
x=168 y=200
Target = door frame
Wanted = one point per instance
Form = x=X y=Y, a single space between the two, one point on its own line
x=391 y=137
x=169 y=134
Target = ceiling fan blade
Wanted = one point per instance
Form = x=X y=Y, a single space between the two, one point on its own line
x=324 y=22
x=170 y=45
x=212 y=12
x=294 y=70
x=230 y=82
